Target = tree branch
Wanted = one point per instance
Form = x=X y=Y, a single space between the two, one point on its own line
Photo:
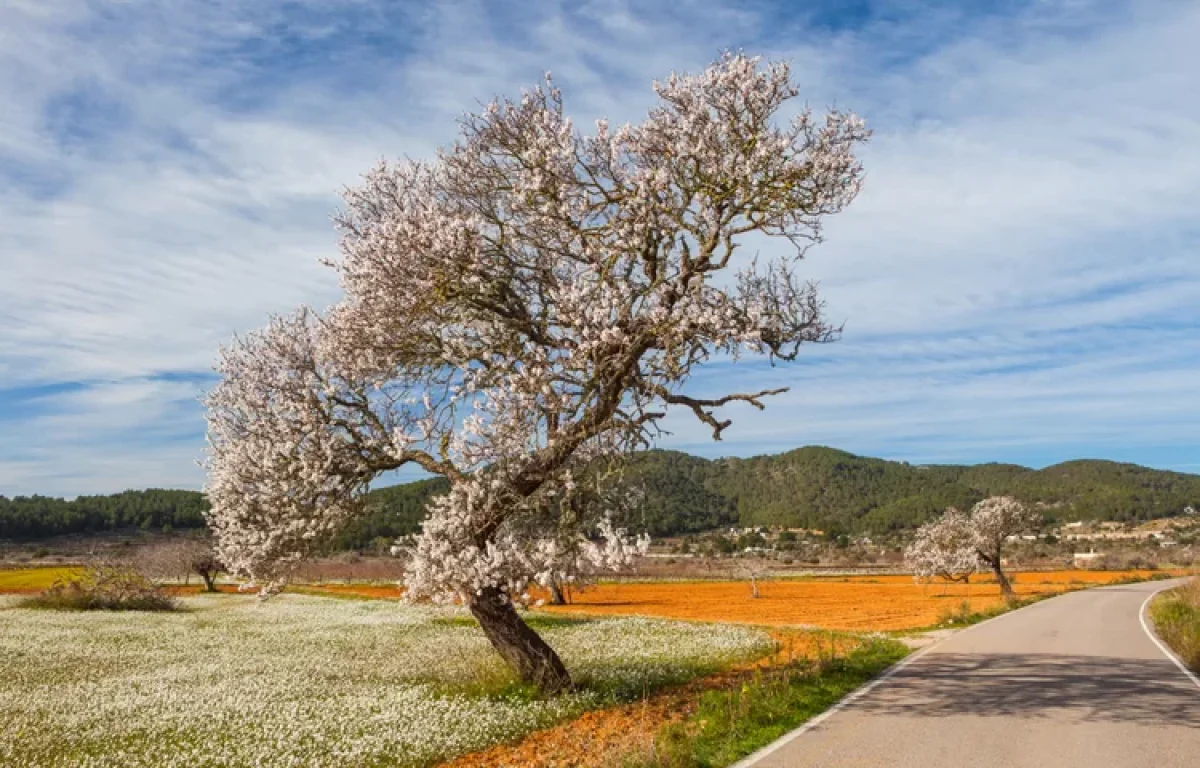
x=698 y=405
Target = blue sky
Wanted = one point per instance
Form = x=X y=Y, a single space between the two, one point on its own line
x=1019 y=279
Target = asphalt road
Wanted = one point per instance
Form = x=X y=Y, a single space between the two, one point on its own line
x=1071 y=681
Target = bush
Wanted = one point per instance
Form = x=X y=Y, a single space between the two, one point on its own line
x=1176 y=616
x=104 y=587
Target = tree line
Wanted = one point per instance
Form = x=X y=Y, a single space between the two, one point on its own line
x=811 y=487
x=154 y=509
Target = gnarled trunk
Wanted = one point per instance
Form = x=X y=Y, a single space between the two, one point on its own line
x=1006 y=589
x=210 y=580
x=525 y=651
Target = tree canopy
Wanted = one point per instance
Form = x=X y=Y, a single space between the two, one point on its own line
x=531 y=301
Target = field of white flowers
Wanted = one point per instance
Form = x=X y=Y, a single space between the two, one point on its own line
x=306 y=681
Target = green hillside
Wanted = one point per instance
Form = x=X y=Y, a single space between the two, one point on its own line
x=823 y=487
x=811 y=487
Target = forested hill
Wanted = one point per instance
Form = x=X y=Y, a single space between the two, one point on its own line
x=826 y=488
x=154 y=509
x=809 y=487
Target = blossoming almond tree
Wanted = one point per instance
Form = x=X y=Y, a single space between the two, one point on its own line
x=956 y=544
x=530 y=301
x=944 y=548
x=993 y=520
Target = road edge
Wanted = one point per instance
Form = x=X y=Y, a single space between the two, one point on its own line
x=751 y=759
x=1148 y=628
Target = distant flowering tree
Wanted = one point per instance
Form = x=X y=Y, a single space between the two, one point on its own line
x=527 y=304
x=944 y=548
x=993 y=520
x=957 y=544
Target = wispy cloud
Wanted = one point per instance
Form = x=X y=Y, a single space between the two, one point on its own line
x=1019 y=279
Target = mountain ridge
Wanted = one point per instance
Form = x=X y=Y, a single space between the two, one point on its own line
x=809 y=486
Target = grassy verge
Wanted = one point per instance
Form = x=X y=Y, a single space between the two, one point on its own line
x=731 y=723
x=1176 y=616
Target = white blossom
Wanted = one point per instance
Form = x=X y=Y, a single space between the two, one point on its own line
x=525 y=305
x=943 y=547
x=305 y=681
x=956 y=544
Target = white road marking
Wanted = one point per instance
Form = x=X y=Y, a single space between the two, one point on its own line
x=1161 y=645
x=850 y=698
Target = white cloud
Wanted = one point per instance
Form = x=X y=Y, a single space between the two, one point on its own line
x=1020 y=270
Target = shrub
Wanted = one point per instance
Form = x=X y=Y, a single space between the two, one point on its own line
x=1176 y=616
x=106 y=587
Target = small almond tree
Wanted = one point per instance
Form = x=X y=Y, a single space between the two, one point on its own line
x=179 y=559
x=956 y=544
x=752 y=569
x=944 y=548
x=527 y=303
x=993 y=520
x=203 y=561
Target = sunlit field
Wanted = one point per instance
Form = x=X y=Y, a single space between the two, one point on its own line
x=854 y=603
x=876 y=603
x=301 y=680
x=27 y=580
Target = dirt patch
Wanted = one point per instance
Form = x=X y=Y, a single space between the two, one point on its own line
x=599 y=739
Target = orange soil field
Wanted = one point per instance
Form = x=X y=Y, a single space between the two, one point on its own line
x=849 y=603
x=890 y=602
x=605 y=737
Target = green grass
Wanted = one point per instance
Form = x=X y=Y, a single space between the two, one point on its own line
x=1176 y=616
x=732 y=723
x=297 y=680
x=962 y=615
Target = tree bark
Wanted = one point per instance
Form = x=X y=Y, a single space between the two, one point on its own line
x=557 y=597
x=209 y=581
x=524 y=650
x=1006 y=589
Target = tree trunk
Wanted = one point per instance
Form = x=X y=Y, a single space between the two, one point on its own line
x=556 y=593
x=210 y=581
x=525 y=651
x=754 y=587
x=1006 y=589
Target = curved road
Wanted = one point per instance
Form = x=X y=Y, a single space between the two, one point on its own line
x=1071 y=681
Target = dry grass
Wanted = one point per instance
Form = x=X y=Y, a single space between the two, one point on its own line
x=1176 y=617
x=23 y=581
x=103 y=586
